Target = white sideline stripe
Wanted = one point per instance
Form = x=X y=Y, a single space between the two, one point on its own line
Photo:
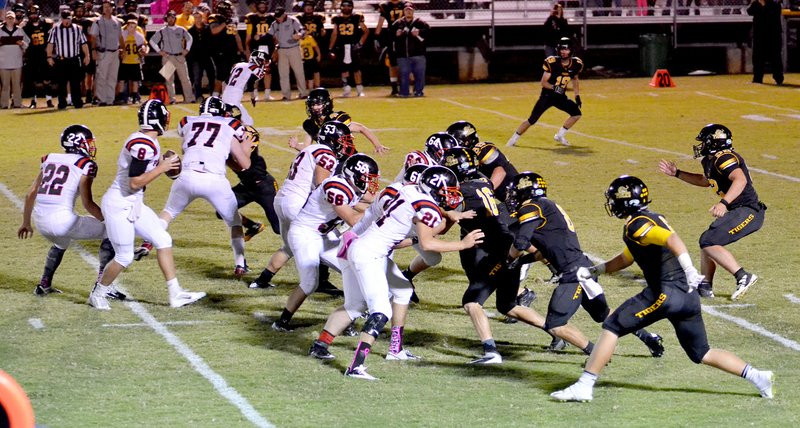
x=36 y=323
x=733 y=305
x=165 y=323
x=632 y=161
x=186 y=109
x=793 y=116
x=792 y=298
x=770 y=157
x=758 y=118
x=734 y=100
x=561 y=163
x=651 y=94
x=195 y=360
x=791 y=344
x=613 y=141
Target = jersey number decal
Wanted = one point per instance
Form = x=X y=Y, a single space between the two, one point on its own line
x=235 y=75
x=295 y=165
x=53 y=180
x=347 y=29
x=388 y=207
x=562 y=81
x=488 y=200
x=335 y=198
x=570 y=224
x=199 y=127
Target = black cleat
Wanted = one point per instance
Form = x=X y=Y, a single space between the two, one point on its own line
x=350 y=330
x=42 y=291
x=704 y=289
x=326 y=287
x=526 y=298
x=655 y=344
x=320 y=352
x=556 y=345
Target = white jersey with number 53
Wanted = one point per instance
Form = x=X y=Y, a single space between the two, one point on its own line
x=207 y=141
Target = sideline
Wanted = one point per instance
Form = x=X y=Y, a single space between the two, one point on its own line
x=199 y=365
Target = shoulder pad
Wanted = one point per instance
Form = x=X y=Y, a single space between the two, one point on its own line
x=726 y=160
x=341 y=116
x=338 y=187
x=141 y=148
x=528 y=212
x=637 y=227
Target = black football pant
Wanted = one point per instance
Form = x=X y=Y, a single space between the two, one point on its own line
x=69 y=71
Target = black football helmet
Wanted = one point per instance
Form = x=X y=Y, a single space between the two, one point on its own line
x=413 y=173
x=34 y=10
x=465 y=133
x=564 y=44
x=319 y=103
x=225 y=8
x=442 y=185
x=461 y=161
x=338 y=137
x=625 y=196
x=154 y=116
x=437 y=143
x=256 y=136
x=713 y=138
x=260 y=57
x=78 y=139
x=130 y=6
x=362 y=172
x=525 y=185
x=232 y=110
x=213 y=106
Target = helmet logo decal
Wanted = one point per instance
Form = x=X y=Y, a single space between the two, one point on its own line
x=623 y=193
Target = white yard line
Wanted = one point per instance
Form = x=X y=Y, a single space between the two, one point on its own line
x=200 y=366
x=758 y=118
x=186 y=109
x=733 y=305
x=792 y=298
x=36 y=323
x=613 y=141
x=741 y=322
x=734 y=100
x=140 y=324
x=793 y=116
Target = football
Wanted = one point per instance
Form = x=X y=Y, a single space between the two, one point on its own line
x=173 y=173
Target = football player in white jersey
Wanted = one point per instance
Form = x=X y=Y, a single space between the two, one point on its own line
x=241 y=74
x=51 y=201
x=435 y=146
x=309 y=169
x=126 y=215
x=328 y=206
x=208 y=140
x=366 y=285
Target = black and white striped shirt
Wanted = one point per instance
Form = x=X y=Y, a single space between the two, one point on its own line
x=66 y=41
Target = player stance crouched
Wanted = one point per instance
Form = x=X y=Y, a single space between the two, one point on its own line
x=126 y=214
x=671 y=282
x=51 y=200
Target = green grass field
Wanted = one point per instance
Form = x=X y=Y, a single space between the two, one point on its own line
x=89 y=368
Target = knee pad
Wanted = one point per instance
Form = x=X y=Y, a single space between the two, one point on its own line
x=124 y=259
x=162 y=240
x=374 y=324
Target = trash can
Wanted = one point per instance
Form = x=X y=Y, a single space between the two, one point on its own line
x=653 y=49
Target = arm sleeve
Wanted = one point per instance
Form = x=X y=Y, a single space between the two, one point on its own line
x=137 y=168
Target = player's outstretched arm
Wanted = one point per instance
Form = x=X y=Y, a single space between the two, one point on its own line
x=428 y=241
x=373 y=139
x=668 y=167
x=26 y=230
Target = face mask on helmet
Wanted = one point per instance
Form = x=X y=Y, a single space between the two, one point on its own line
x=465 y=133
x=437 y=143
x=442 y=185
x=625 y=196
x=256 y=137
x=362 y=172
x=713 y=138
x=78 y=139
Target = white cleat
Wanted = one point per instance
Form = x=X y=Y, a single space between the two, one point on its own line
x=561 y=139
x=488 y=358
x=359 y=372
x=348 y=90
x=743 y=285
x=766 y=392
x=97 y=300
x=573 y=393
x=185 y=298
x=404 y=355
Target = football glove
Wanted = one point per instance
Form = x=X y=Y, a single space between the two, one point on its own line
x=559 y=89
x=589 y=285
x=693 y=278
x=357 y=46
x=578 y=101
x=377 y=45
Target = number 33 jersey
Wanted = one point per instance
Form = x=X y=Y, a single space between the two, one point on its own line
x=207 y=142
x=61 y=177
x=394 y=218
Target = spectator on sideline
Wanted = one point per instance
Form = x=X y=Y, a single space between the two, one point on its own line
x=409 y=45
x=287 y=32
x=64 y=46
x=186 y=18
x=555 y=27
x=173 y=43
x=199 y=58
x=13 y=42
x=312 y=57
x=106 y=32
x=767 y=40
x=130 y=68
x=390 y=12
x=36 y=68
x=85 y=17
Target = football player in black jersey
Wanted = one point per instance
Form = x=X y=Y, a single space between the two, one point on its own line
x=348 y=37
x=257 y=185
x=671 y=279
x=319 y=107
x=738 y=214
x=485 y=264
x=85 y=17
x=226 y=45
x=36 y=67
x=544 y=229
x=558 y=72
x=257 y=34
x=390 y=11
x=314 y=23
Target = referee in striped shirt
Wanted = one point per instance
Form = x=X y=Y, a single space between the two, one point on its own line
x=65 y=43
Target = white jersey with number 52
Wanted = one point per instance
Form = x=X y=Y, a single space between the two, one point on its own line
x=300 y=180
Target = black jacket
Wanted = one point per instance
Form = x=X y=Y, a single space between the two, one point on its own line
x=406 y=45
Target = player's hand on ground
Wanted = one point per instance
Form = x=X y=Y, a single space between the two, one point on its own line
x=169 y=164
x=25 y=231
x=473 y=238
x=667 y=167
x=718 y=210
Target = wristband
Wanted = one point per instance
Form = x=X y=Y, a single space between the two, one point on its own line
x=685 y=261
x=414 y=240
x=599 y=269
x=724 y=202
x=677 y=172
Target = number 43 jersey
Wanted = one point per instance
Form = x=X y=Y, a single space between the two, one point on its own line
x=61 y=177
x=207 y=142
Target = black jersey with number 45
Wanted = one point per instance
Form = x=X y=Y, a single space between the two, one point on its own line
x=561 y=73
x=545 y=225
x=478 y=196
x=718 y=170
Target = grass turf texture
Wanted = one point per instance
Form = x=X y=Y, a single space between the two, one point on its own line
x=80 y=373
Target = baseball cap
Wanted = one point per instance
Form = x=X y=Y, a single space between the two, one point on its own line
x=171 y=13
x=11 y=14
x=279 y=12
x=409 y=5
x=347 y=3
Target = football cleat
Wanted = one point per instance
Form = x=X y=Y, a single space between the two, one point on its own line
x=114 y=293
x=239 y=271
x=282 y=328
x=359 y=372
x=326 y=287
x=574 y=393
x=142 y=251
x=743 y=285
x=42 y=290
x=404 y=355
x=347 y=91
x=253 y=230
x=488 y=358
x=320 y=352
x=350 y=331
x=655 y=344
x=527 y=297
x=97 y=300
x=704 y=290
x=261 y=284
x=556 y=345
x=184 y=298
x=768 y=378
x=561 y=139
